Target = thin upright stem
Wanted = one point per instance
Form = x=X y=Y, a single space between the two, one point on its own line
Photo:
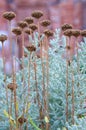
x=14 y=82
x=3 y=56
x=23 y=78
x=36 y=83
x=78 y=67
x=47 y=83
x=67 y=82
x=67 y=91
x=73 y=107
x=29 y=66
x=10 y=40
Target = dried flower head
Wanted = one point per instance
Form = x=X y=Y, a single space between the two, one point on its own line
x=64 y=27
x=48 y=33
x=28 y=31
x=12 y=86
x=29 y=20
x=83 y=33
x=75 y=32
x=31 y=48
x=68 y=33
x=22 y=24
x=22 y=120
x=16 y=30
x=68 y=47
x=45 y=23
x=33 y=27
x=37 y=14
x=3 y=38
x=9 y=15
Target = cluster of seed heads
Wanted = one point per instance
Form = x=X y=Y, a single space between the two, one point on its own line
x=66 y=26
x=28 y=31
x=22 y=24
x=45 y=23
x=48 y=33
x=69 y=31
x=22 y=120
x=83 y=33
x=33 y=26
x=9 y=15
x=16 y=30
x=29 y=20
x=31 y=48
x=37 y=14
x=3 y=38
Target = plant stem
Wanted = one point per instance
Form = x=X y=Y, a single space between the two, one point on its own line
x=23 y=78
x=36 y=83
x=14 y=82
x=67 y=83
x=43 y=88
x=5 y=76
x=47 y=83
x=72 y=95
x=29 y=65
x=67 y=91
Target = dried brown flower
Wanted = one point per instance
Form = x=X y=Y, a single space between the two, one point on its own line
x=64 y=27
x=9 y=15
x=33 y=27
x=48 y=33
x=28 y=31
x=22 y=24
x=37 y=14
x=12 y=86
x=22 y=120
x=45 y=23
x=83 y=33
x=68 y=47
x=75 y=32
x=31 y=48
x=29 y=20
x=68 y=33
x=3 y=37
x=16 y=30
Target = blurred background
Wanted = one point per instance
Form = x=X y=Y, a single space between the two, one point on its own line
x=58 y=11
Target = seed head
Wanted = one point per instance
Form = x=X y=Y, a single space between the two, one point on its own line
x=75 y=32
x=48 y=33
x=28 y=31
x=31 y=48
x=16 y=30
x=68 y=33
x=29 y=20
x=45 y=23
x=68 y=47
x=9 y=15
x=33 y=27
x=22 y=120
x=12 y=86
x=66 y=26
x=3 y=38
x=83 y=33
x=37 y=14
x=22 y=24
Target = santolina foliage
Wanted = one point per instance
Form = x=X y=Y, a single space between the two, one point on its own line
x=56 y=90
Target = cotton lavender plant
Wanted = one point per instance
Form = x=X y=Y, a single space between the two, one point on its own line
x=44 y=94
